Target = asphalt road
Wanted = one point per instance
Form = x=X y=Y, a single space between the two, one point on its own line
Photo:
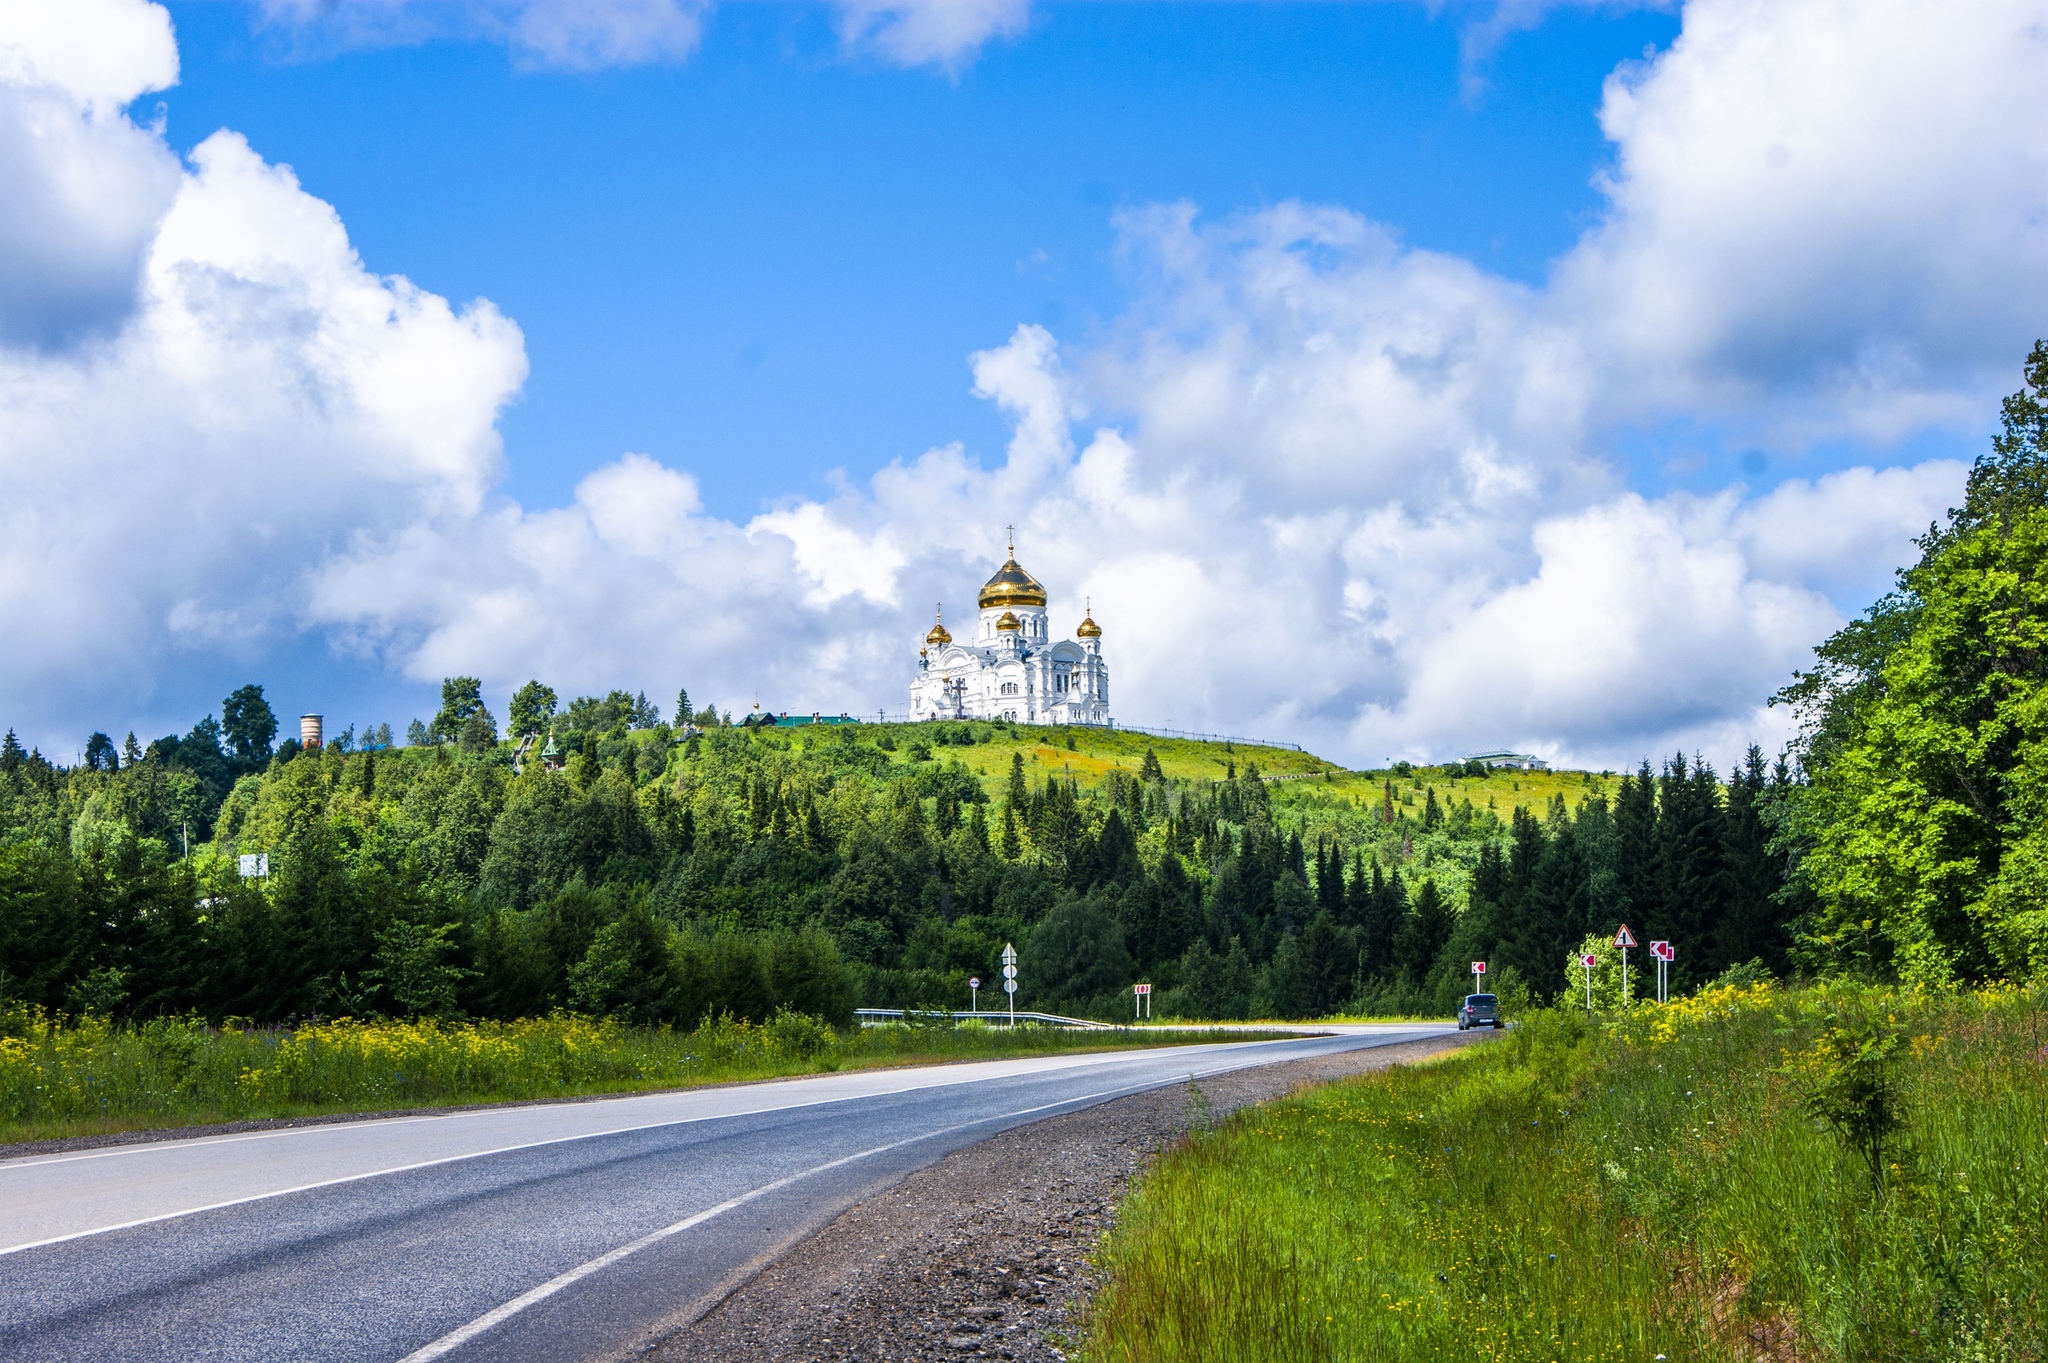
x=553 y=1232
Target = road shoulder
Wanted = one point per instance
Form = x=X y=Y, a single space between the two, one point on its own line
x=985 y=1253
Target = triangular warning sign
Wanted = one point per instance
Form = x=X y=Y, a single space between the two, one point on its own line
x=1624 y=938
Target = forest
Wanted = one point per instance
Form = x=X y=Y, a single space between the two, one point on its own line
x=658 y=873
x=598 y=858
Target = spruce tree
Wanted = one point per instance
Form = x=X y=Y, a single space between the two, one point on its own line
x=1423 y=934
x=1751 y=925
x=1635 y=847
x=1330 y=880
x=1383 y=924
x=1553 y=919
x=1013 y=846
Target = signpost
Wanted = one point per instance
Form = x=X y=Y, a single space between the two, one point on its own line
x=1010 y=979
x=1665 y=954
x=1141 y=996
x=1624 y=939
x=974 y=994
x=1589 y=960
x=1478 y=975
x=254 y=864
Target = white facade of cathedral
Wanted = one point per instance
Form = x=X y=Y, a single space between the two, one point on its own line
x=1012 y=669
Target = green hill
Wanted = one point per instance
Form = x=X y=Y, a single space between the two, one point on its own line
x=660 y=872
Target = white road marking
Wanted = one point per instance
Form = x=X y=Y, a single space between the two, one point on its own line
x=456 y=1338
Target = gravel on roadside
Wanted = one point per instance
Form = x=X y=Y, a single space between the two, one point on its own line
x=985 y=1254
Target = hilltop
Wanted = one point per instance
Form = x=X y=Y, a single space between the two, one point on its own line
x=661 y=872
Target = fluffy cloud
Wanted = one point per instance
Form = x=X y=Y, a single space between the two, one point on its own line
x=262 y=399
x=85 y=187
x=1316 y=484
x=945 y=33
x=1827 y=217
x=576 y=35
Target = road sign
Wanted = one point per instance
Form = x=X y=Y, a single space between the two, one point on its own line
x=254 y=863
x=1010 y=978
x=1141 y=989
x=1141 y=1000
x=1479 y=967
x=1624 y=939
x=1009 y=986
x=1664 y=954
x=1009 y=972
x=1589 y=960
x=974 y=982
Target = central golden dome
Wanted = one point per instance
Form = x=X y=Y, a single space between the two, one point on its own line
x=1012 y=586
x=939 y=634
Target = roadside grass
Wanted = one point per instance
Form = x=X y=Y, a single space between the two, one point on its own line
x=1664 y=1184
x=62 y=1078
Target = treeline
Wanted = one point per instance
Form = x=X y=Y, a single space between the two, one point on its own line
x=662 y=873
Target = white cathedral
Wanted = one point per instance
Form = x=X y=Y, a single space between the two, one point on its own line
x=1012 y=669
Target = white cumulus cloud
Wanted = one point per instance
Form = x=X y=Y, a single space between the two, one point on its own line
x=1315 y=483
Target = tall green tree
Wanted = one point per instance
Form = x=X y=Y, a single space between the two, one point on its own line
x=1924 y=735
x=461 y=697
x=247 y=725
x=531 y=711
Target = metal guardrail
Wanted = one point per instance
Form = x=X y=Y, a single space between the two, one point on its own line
x=871 y=1017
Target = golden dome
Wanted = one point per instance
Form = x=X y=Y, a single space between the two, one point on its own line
x=1088 y=629
x=939 y=634
x=1009 y=621
x=1012 y=586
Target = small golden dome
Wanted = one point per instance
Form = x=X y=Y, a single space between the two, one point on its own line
x=1012 y=586
x=939 y=635
x=1088 y=628
x=1009 y=621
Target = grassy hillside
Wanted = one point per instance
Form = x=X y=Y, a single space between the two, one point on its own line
x=1754 y=1173
x=661 y=874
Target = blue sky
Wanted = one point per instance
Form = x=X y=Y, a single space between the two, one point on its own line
x=770 y=262
x=1397 y=378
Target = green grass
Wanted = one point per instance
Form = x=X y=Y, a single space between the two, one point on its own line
x=1639 y=1187
x=60 y=1079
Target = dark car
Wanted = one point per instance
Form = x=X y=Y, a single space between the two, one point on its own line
x=1479 y=1010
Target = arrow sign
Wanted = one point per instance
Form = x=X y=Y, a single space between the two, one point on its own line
x=1589 y=960
x=974 y=982
x=1624 y=939
x=1479 y=967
